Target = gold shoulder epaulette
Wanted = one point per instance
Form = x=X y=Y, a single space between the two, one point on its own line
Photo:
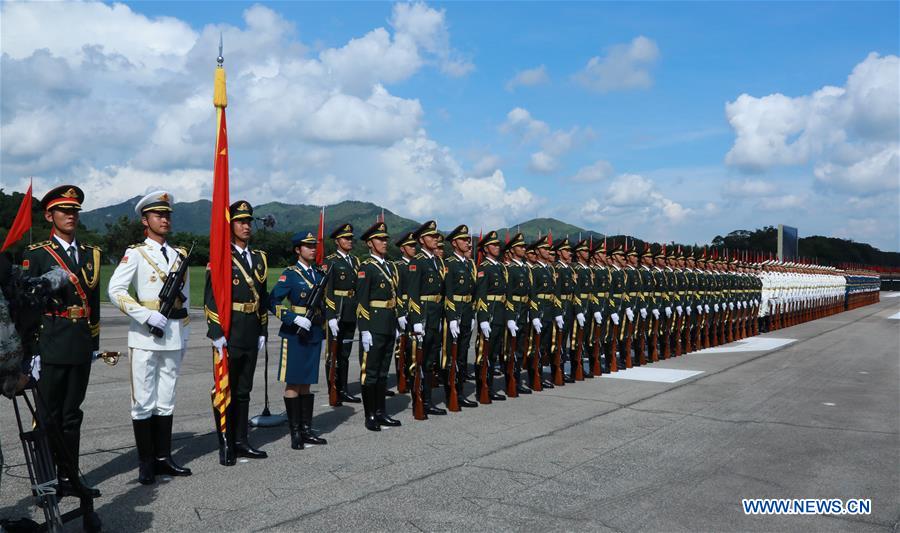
x=37 y=245
x=138 y=245
x=260 y=252
x=331 y=256
x=420 y=255
x=93 y=247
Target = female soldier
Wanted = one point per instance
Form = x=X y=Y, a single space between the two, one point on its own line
x=301 y=339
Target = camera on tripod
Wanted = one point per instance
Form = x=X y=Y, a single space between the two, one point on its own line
x=23 y=300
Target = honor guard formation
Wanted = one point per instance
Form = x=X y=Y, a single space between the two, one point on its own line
x=537 y=315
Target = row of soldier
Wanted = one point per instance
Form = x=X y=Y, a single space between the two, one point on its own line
x=541 y=315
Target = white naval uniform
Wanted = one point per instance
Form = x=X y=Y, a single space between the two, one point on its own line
x=154 y=360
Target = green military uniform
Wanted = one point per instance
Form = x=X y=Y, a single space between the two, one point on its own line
x=643 y=313
x=340 y=308
x=490 y=307
x=402 y=267
x=459 y=306
x=248 y=331
x=602 y=301
x=425 y=290
x=633 y=302
x=518 y=306
x=565 y=294
x=544 y=306
x=376 y=314
x=582 y=309
x=69 y=334
x=618 y=300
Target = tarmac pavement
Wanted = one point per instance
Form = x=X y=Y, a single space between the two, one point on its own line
x=811 y=411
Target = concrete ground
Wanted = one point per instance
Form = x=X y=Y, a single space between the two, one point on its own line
x=805 y=412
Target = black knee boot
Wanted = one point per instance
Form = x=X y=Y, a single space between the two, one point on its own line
x=292 y=407
x=306 y=409
x=162 y=441
x=343 y=372
x=143 y=438
x=368 y=395
x=226 y=442
x=380 y=411
x=242 y=445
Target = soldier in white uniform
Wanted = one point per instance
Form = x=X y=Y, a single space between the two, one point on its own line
x=154 y=360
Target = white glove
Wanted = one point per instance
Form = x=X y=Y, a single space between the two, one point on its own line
x=700 y=308
x=680 y=310
x=485 y=328
x=580 y=318
x=559 y=321
x=157 y=320
x=706 y=306
x=36 y=367
x=629 y=313
x=261 y=343
x=418 y=328
x=302 y=322
x=731 y=306
x=615 y=318
x=333 y=326
x=366 y=339
x=656 y=314
x=536 y=322
x=744 y=303
x=220 y=343
x=512 y=327
x=689 y=310
x=668 y=312
x=454 y=328
x=598 y=317
x=643 y=312
x=715 y=308
x=401 y=321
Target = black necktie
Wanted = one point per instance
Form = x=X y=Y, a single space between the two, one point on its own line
x=71 y=252
x=165 y=255
x=246 y=259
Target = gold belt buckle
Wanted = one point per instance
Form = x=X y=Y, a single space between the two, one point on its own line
x=75 y=311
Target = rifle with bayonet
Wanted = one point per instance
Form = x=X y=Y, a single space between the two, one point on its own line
x=170 y=294
x=418 y=401
x=511 y=385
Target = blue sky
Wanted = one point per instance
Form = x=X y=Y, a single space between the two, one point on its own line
x=658 y=155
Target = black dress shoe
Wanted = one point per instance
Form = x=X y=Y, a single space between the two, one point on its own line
x=372 y=423
x=523 y=390
x=547 y=384
x=385 y=420
x=497 y=397
x=389 y=392
x=165 y=466
x=568 y=379
x=465 y=402
x=343 y=396
x=432 y=410
x=65 y=487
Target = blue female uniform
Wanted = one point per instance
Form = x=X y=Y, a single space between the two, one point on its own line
x=299 y=361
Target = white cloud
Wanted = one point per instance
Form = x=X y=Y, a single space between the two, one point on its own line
x=120 y=102
x=520 y=122
x=849 y=135
x=528 y=78
x=554 y=144
x=625 y=66
x=635 y=197
x=597 y=171
x=487 y=164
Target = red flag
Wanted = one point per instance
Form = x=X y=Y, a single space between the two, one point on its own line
x=220 y=250
x=22 y=222
x=550 y=237
x=480 y=255
x=320 y=239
